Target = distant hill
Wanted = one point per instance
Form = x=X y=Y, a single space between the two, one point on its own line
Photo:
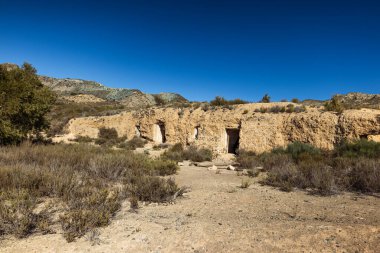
x=352 y=100
x=134 y=98
x=359 y=100
x=129 y=97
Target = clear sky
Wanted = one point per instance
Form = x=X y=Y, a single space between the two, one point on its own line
x=200 y=49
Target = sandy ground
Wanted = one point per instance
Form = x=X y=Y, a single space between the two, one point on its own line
x=218 y=216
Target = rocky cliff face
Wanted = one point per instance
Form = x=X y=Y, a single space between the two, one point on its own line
x=257 y=131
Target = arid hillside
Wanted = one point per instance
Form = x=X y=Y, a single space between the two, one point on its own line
x=134 y=98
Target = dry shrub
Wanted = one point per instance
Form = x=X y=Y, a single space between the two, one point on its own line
x=164 y=167
x=245 y=183
x=247 y=160
x=107 y=133
x=135 y=142
x=358 y=174
x=282 y=173
x=178 y=153
x=197 y=154
x=83 y=139
x=351 y=167
x=147 y=188
x=16 y=213
x=220 y=101
x=82 y=178
x=134 y=202
x=94 y=208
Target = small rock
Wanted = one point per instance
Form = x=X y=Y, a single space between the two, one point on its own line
x=230 y=167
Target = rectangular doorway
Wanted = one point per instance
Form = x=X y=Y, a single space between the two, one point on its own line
x=159 y=135
x=233 y=136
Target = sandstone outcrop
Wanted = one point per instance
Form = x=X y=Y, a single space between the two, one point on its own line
x=251 y=130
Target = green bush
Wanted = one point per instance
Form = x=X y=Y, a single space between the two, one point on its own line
x=359 y=148
x=298 y=150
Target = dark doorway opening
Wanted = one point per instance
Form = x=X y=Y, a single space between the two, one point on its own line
x=162 y=130
x=233 y=136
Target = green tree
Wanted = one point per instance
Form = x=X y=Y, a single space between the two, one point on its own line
x=295 y=100
x=24 y=102
x=218 y=101
x=265 y=99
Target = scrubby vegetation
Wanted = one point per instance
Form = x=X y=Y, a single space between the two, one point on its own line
x=132 y=144
x=178 y=153
x=350 y=167
x=84 y=183
x=220 y=101
x=24 y=102
x=290 y=108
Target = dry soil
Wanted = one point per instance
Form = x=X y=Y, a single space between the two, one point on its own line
x=219 y=216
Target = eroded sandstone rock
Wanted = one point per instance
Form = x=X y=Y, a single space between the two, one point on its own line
x=258 y=132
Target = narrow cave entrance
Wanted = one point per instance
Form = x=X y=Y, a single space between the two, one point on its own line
x=137 y=131
x=159 y=133
x=233 y=137
x=196 y=133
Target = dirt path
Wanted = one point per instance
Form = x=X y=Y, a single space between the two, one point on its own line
x=218 y=216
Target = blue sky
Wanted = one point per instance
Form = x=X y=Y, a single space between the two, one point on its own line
x=201 y=49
